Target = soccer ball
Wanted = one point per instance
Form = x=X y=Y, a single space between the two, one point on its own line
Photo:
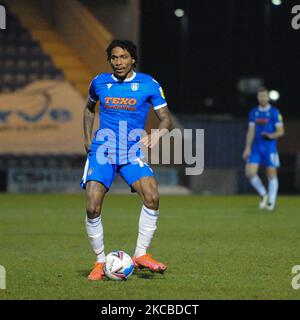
x=118 y=265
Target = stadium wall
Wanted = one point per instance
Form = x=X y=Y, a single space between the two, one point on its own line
x=223 y=164
x=223 y=169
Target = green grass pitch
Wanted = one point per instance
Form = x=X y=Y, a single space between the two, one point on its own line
x=216 y=247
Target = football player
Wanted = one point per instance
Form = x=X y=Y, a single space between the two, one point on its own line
x=265 y=127
x=125 y=98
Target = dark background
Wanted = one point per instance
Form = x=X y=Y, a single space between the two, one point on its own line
x=205 y=54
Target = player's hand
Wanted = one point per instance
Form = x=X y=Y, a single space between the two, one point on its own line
x=266 y=136
x=150 y=140
x=246 y=153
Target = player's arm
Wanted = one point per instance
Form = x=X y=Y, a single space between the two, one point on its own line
x=165 y=120
x=249 y=140
x=279 y=132
x=275 y=135
x=88 y=122
x=165 y=124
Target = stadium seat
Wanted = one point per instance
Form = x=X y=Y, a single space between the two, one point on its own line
x=22 y=59
x=8 y=78
x=20 y=79
x=33 y=76
x=22 y=65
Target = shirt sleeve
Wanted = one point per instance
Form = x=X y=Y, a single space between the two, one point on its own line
x=157 y=97
x=252 y=118
x=278 y=120
x=92 y=92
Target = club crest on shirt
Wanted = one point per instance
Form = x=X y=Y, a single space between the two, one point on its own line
x=134 y=86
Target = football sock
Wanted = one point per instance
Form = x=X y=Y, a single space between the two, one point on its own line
x=258 y=185
x=94 y=230
x=273 y=188
x=147 y=227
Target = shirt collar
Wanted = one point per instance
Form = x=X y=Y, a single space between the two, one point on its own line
x=127 y=79
x=266 y=108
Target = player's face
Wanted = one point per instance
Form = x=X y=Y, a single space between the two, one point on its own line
x=121 y=63
x=263 y=98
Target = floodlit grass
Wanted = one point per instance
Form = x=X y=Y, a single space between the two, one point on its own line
x=217 y=247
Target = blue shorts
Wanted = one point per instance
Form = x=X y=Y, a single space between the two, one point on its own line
x=264 y=156
x=105 y=173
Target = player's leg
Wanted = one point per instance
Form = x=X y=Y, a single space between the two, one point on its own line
x=97 y=179
x=271 y=160
x=273 y=187
x=95 y=196
x=147 y=189
x=141 y=179
x=251 y=171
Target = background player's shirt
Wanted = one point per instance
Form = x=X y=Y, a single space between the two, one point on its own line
x=124 y=106
x=264 y=120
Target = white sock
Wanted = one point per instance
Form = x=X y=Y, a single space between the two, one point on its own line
x=258 y=185
x=273 y=188
x=94 y=230
x=147 y=227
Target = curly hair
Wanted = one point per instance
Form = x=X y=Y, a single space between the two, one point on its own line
x=124 y=44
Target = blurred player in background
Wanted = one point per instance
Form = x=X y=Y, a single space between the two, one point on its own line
x=125 y=96
x=265 y=126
